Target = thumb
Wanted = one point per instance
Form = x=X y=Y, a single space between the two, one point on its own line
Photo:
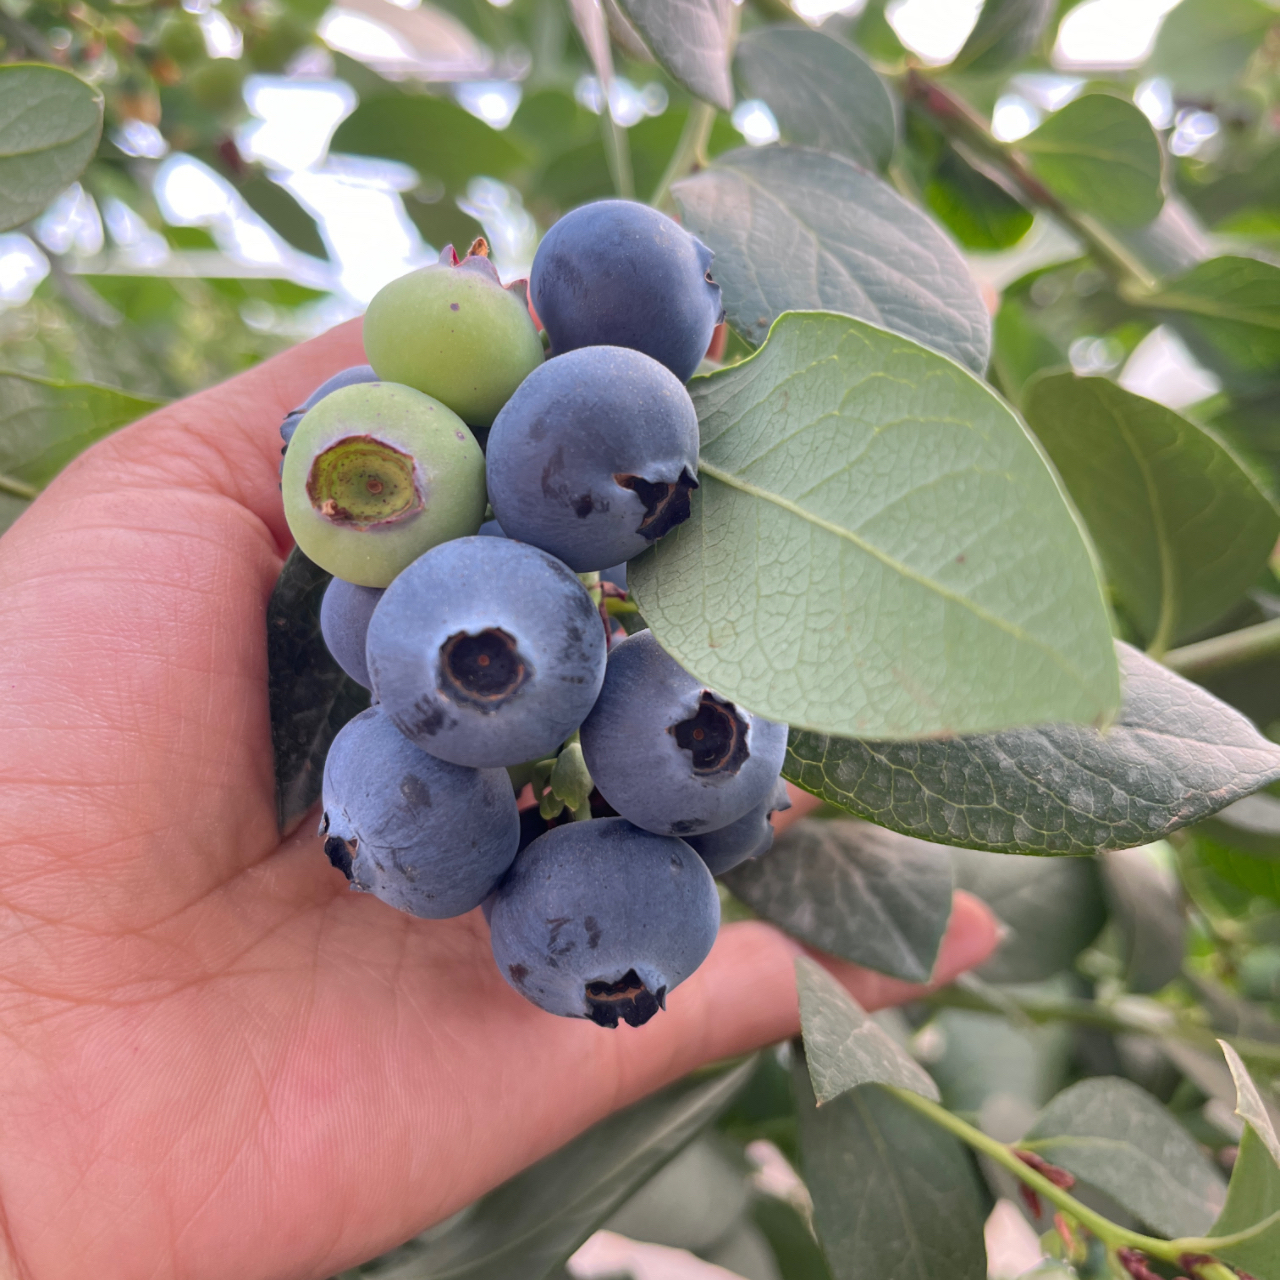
x=224 y=441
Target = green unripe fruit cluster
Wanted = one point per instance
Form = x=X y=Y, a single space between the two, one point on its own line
x=454 y=332
x=375 y=475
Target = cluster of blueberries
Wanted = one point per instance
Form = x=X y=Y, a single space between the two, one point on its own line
x=487 y=645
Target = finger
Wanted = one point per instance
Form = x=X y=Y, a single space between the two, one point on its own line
x=972 y=935
x=223 y=441
x=131 y=617
x=741 y=999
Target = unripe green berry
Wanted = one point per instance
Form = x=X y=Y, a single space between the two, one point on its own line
x=453 y=331
x=375 y=475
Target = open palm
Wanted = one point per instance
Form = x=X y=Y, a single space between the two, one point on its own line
x=215 y=1060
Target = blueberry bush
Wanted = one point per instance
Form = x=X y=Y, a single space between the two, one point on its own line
x=915 y=537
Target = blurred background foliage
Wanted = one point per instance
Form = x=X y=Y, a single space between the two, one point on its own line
x=266 y=165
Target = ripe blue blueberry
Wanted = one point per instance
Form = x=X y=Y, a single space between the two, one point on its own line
x=617 y=273
x=669 y=754
x=594 y=457
x=347 y=378
x=750 y=836
x=427 y=837
x=601 y=920
x=344 y=622
x=486 y=652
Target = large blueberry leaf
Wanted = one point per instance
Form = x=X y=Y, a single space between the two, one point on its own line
x=692 y=1203
x=1115 y=1136
x=1228 y=309
x=434 y=135
x=311 y=697
x=894 y=1196
x=527 y=1227
x=1182 y=527
x=795 y=229
x=844 y=1048
x=977 y=210
x=877 y=547
x=691 y=39
x=1100 y=154
x=822 y=92
x=45 y=423
x=1051 y=909
x=1204 y=46
x=856 y=891
x=1174 y=755
x=1242 y=844
x=1145 y=898
x=50 y=121
x=1006 y=31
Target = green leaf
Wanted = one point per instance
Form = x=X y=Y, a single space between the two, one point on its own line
x=821 y=91
x=894 y=1196
x=1253 y=1209
x=50 y=122
x=532 y=1223
x=11 y=508
x=844 y=1047
x=1182 y=528
x=434 y=135
x=1253 y=1197
x=311 y=697
x=985 y=1060
x=877 y=547
x=1146 y=904
x=1204 y=46
x=1099 y=153
x=1242 y=844
x=792 y=1242
x=1006 y=31
x=853 y=890
x=283 y=214
x=979 y=212
x=1228 y=310
x=45 y=423
x=1115 y=1136
x=1175 y=755
x=1249 y=1104
x=691 y=1203
x=795 y=229
x=1022 y=348
x=1053 y=908
x=691 y=39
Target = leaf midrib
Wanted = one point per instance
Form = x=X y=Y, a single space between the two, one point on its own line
x=1167 y=616
x=868 y=548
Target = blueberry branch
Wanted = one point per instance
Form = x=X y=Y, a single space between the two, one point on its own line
x=1094 y=1014
x=1111 y=1234
x=1221 y=653
x=960 y=123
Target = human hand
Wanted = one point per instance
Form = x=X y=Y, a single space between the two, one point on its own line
x=216 y=1060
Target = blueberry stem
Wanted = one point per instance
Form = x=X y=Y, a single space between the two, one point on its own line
x=618 y=153
x=691 y=149
x=19 y=488
x=1110 y=1233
